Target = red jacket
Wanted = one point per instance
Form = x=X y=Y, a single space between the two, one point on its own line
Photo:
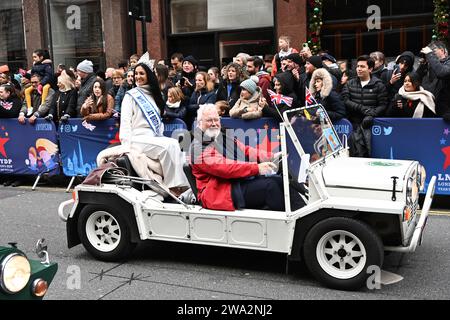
x=213 y=171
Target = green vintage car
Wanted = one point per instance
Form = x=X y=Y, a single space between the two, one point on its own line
x=22 y=278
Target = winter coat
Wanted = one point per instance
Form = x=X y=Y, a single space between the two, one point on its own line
x=99 y=112
x=248 y=109
x=410 y=102
x=264 y=82
x=362 y=102
x=10 y=108
x=381 y=73
x=187 y=90
x=45 y=70
x=235 y=92
x=214 y=169
x=198 y=98
x=120 y=94
x=436 y=79
x=177 y=110
x=392 y=89
x=287 y=84
x=64 y=102
x=85 y=90
x=329 y=98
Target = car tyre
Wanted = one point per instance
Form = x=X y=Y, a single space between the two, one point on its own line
x=338 y=251
x=105 y=233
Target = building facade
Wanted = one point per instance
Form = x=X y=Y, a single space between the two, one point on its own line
x=212 y=30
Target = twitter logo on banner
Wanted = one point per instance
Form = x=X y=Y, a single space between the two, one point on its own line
x=387 y=131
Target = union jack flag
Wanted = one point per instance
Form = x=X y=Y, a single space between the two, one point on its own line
x=309 y=99
x=278 y=98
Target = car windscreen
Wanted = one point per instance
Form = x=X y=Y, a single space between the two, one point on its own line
x=315 y=132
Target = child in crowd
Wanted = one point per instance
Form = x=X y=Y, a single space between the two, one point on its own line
x=42 y=65
x=250 y=104
x=174 y=106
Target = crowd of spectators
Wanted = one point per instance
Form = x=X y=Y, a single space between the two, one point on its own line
x=409 y=86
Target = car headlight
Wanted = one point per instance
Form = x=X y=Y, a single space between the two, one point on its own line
x=15 y=271
x=421 y=176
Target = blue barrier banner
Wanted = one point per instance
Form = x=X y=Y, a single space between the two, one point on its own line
x=263 y=133
x=28 y=149
x=172 y=126
x=81 y=142
x=424 y=140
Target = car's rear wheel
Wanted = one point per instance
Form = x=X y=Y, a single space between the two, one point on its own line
x=105 y=233
x=338 y=252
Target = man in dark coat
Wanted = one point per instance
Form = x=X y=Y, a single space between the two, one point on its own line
x=365 y=97
x=435 y=73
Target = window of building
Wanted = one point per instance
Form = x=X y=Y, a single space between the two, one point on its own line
x=12 y=40
x=76 y=32
x=405 y=25
x=208 y=15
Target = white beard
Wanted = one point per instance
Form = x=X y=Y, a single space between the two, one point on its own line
x=212 y=132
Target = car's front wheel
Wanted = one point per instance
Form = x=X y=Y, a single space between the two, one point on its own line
x=339 y=251
x=105 y=233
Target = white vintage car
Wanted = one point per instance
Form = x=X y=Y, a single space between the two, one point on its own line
x=357 y=208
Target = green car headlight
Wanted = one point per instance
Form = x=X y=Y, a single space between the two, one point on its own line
x=15 y=271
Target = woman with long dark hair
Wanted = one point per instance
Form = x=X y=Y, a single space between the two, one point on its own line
x=99 y=105
x=141 y=127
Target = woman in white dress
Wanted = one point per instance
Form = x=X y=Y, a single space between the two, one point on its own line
x=141 y=128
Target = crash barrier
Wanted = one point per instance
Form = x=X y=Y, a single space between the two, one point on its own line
x=27 y=149
x=424 y=140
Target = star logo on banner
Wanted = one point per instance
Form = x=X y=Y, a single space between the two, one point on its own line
x=267 y=145
x=3 y=141
x=446 y=151
x=446 y=131
x=443 y=142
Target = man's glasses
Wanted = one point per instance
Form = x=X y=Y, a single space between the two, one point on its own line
x=211 y=120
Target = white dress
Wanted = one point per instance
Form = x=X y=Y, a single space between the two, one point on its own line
x=136 y=133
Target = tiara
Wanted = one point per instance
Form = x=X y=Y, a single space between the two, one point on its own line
x=145 y=59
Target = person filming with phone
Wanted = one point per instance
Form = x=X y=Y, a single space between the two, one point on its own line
x=395 y=78
x=230 y=175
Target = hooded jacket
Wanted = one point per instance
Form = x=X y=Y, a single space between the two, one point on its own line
x=329 y=98
x=45 y=70
x=286 y=80
x=436 y=79
x=392 y=89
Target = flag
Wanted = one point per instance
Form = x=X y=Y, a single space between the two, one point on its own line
x=309 y=99
x=278 y=98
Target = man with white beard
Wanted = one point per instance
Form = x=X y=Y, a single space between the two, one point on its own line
x=230 y=175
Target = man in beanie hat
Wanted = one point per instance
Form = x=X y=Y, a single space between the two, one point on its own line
x=186 y=80
x=296 y=66
x=85 y=70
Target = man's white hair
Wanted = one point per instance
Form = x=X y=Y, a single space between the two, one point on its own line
x=202 y=108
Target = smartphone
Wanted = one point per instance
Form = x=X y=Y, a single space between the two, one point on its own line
x=182 y=81
x=305 y=45
x=396 y=70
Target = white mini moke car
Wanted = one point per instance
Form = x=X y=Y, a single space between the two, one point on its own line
x=356 y=209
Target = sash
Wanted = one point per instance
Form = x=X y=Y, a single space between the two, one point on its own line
x=148 y=109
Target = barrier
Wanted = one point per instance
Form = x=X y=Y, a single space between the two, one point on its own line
x=28 y=149
x=425 y=140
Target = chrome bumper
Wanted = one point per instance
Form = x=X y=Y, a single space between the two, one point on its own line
x=61 y=209
x=416 y=238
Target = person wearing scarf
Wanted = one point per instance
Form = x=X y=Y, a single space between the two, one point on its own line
x=412 y=101
x=137 y=132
